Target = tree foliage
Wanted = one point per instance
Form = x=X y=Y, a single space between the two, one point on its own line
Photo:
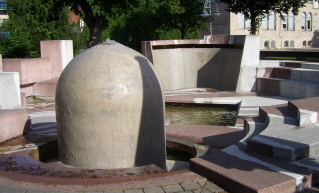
x=94 y=14
x=182 y=15
x=155 y=20
x=32 y=21
x=255 y=10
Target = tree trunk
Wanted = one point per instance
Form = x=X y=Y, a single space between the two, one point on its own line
x=95 y=25
x=254 y=25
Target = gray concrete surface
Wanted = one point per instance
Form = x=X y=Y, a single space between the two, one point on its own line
x=10 y=90
x=113 y=109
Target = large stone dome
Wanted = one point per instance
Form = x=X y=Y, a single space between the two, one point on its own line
x=110 y=110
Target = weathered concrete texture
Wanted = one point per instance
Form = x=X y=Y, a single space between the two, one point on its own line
x=13 y=122
x=31 y=70
x=110 y=110
x=10 y=90
x=282 y=139
x=206 y=63
x=305 y=75
x=298 y=89
x=310 y=65
x=240 y=175
x=201 y=67
x=45 y=88
x=60 y=53
x=306 y=110
x=269 y=85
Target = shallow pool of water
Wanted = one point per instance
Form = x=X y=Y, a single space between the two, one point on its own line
x=200 y=114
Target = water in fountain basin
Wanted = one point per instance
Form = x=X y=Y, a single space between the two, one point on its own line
x=200 y=114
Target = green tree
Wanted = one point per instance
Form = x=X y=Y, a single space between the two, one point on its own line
x=182 y=15
x=32 y=21
x=255 y=10
x=95 y=13
x=134 y=25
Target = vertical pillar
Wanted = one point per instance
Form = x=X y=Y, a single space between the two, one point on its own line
x=60 y=52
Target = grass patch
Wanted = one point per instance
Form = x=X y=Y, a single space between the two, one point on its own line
x=291 y=58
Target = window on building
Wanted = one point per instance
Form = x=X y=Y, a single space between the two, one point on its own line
x=309 y=22
x=291 y=21
x=273 y=44
x=303 y=21
x=266 y=44
x=241 y=21
x=272 y=21
x=286 y=43
x=247 y=23
x=309 y=43
x=304 y=43
x=285 y=22
x=265 y=22
x=292 y=43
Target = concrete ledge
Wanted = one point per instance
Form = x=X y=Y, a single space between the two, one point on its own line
x=241 y=175
x=306 y=110
x=294 y=64
x=305 y=75
x=13 y=122
x=298 y=89
x=45 y=88
x=217 y=137
x=47 y=184
x=269 y=86
x=282 y=140
x=310 y=65
x=252 y=127
x=31 y=70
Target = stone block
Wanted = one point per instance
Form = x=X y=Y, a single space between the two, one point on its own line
x=310 y=65
x=60 y=52
x=305 y=75
x=46 y=88
x=10 y=90
x=31 y=70
x=13 y=122
x=269 y=85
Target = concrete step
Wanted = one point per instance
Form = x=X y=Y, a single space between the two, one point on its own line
x=310 y=65
x=305 y=75
x=200 y=139
x=293 y=64
x=269 y=86
x=298 y=89
x=242 y=172
x=45 y=88
x=278 y=72
x=252 y=127
x=283 y=139
x=306 y=110
x=287 y=88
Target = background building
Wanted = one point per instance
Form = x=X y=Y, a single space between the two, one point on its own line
x=297 y=31
x=3 y=10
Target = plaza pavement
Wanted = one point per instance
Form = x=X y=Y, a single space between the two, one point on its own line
x=43 y=111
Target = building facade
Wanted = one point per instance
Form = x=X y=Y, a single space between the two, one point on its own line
x=296 y=31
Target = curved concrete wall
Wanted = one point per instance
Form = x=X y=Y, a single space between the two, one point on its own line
x=226 y=63
x=198 y=68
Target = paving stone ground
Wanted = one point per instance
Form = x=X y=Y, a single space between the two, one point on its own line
x=42 y=107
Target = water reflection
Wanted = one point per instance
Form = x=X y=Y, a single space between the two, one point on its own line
x=200 y=114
